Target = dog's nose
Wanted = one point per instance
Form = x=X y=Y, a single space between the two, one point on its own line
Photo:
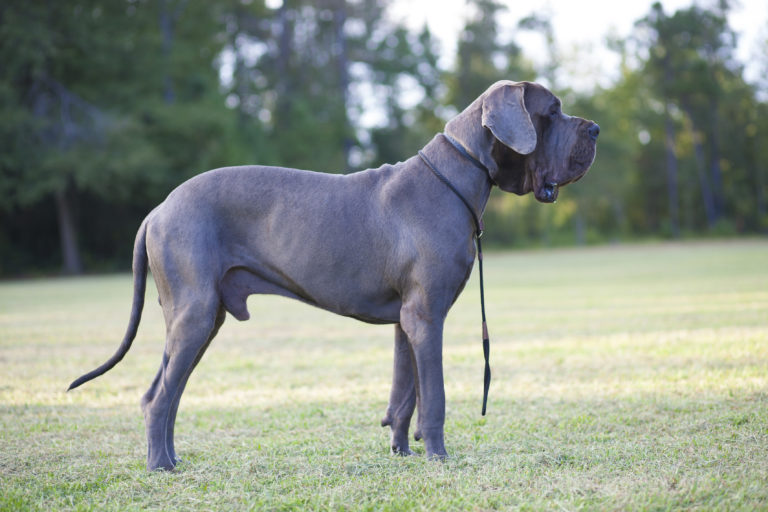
x=594 y=131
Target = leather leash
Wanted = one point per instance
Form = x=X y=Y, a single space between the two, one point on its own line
x=478 y=234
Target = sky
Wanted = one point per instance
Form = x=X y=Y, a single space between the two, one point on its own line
x=580 y=29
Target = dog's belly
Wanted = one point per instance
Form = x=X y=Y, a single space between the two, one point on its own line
x=363 y=304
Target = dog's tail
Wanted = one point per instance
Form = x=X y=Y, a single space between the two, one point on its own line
x=139 y=287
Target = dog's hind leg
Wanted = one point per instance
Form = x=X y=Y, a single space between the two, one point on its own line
x=190 y=330
x=402 y=399
x=220 y=317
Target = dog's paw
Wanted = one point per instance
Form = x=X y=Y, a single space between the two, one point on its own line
x=403 y=452
x=161 y=466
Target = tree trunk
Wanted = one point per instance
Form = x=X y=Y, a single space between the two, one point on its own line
x=701 y=172
x=580 y=228
x=621 y=219
x=760 y=201
x=716 y=174
x=168 y=20
x=285 y=44
x=672 y=174
x=342 y=60
x=710 y=208
x=241 y=74
x=71 y=261
x=672 y=179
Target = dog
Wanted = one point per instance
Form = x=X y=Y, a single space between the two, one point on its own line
x=391 y=245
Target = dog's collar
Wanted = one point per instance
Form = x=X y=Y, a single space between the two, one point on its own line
x=466 y=154
x=478 y=221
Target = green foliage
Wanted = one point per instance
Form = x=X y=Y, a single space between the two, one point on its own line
x=106 y=107
x=85 y=114
x=692 y=70
x=482 y=58
x=678 y=152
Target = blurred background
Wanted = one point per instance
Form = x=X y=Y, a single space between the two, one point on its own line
x=106 y=106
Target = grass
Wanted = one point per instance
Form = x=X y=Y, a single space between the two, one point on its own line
x=630 y=377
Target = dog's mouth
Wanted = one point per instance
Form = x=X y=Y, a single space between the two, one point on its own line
x=547 y=192
x=544 y=188
x=545 y=185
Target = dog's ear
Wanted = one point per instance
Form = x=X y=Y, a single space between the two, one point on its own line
x=505 y=115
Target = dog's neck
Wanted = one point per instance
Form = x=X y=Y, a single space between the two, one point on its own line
x=465 y=172
x=467 y=155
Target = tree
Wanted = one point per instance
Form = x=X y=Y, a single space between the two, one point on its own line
x=81 y=103
x=309 y=63
x=690 y=59
x=405 y=64
x=482 y=58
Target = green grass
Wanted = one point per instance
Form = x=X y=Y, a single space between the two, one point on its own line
x=630 y=377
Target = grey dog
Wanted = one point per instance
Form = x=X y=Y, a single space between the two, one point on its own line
x=388 y=245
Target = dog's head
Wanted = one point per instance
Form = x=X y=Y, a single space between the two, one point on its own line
x=519 y=131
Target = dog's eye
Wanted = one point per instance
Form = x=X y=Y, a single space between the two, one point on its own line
x=554 y=111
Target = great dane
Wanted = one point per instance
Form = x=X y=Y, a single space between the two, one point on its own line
x=388 y=245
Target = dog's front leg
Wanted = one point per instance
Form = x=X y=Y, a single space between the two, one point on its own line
x=424 y=331
x=402 y=399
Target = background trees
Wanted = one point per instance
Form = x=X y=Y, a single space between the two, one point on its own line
x=106 y=106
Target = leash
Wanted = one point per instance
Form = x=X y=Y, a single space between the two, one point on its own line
x=478 y=234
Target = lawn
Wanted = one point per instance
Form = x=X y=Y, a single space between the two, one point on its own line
x=628 y=377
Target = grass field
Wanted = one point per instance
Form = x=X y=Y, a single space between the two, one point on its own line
x=625 y=378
